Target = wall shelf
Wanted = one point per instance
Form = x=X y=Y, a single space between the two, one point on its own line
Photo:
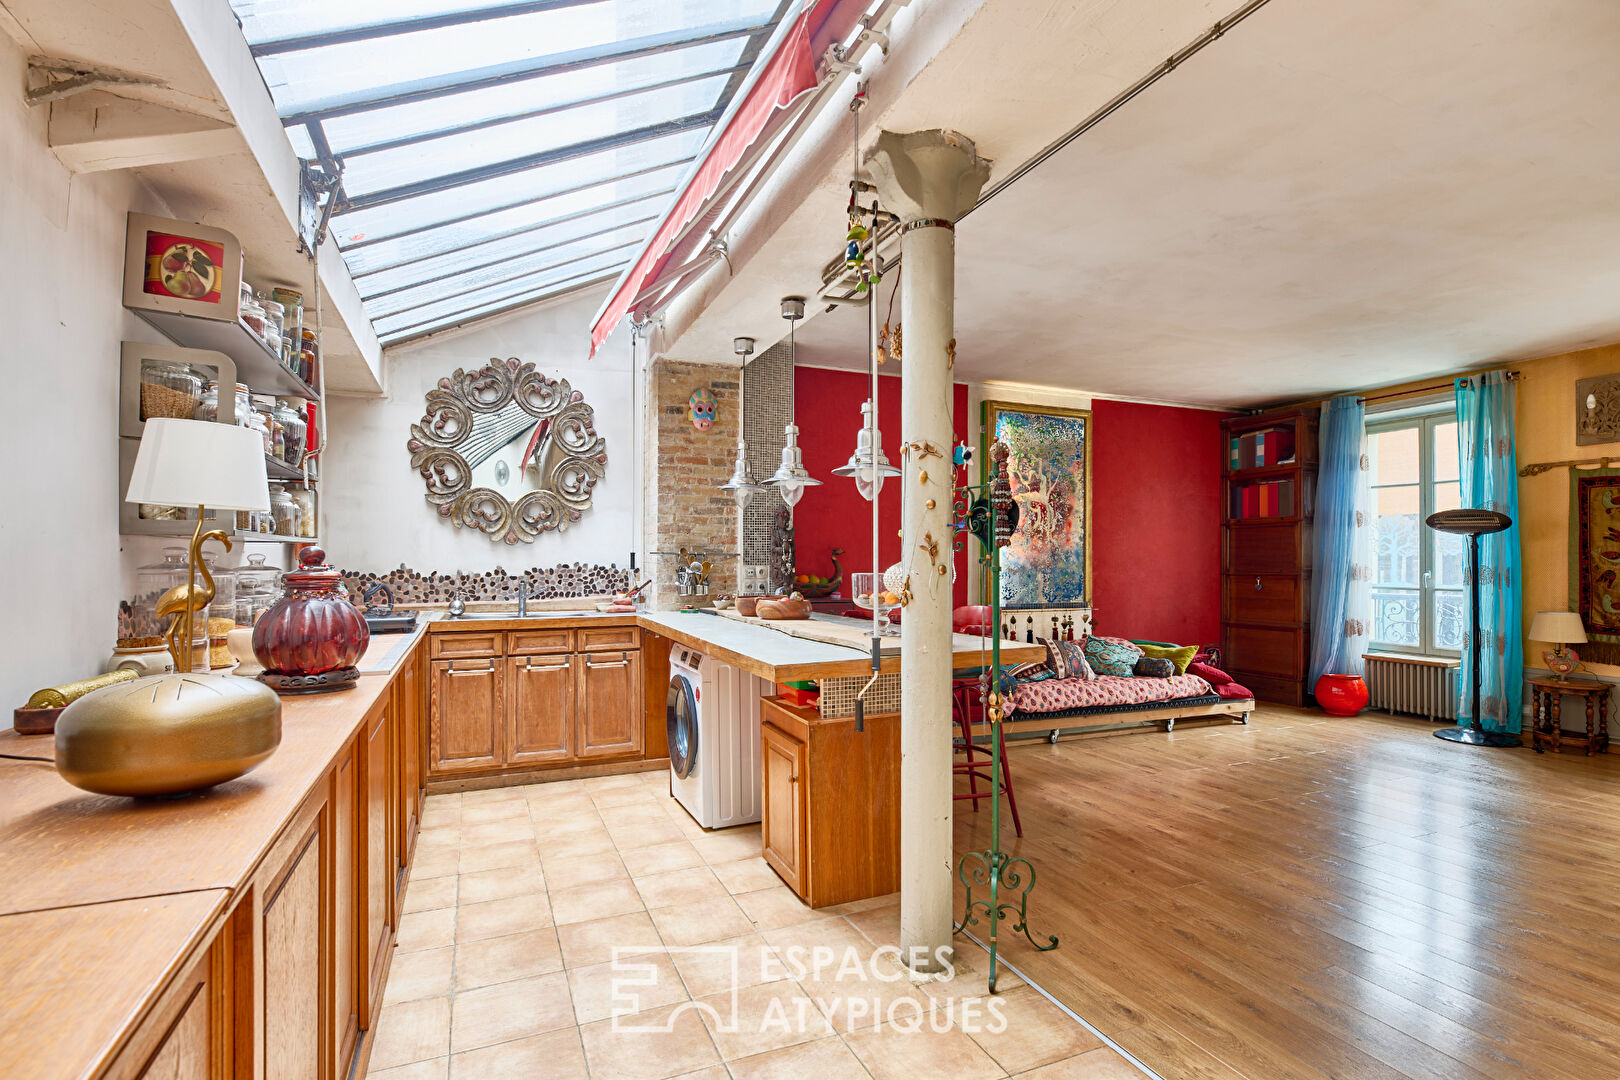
x=256 y=365
x=277 y=469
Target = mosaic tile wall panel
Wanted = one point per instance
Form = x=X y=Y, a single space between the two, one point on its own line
x=545 y=583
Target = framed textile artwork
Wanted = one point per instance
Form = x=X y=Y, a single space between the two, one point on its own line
x=1594 y=560
x=1049 y=561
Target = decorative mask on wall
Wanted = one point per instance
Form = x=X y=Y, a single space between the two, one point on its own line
x=507 y=451
x=703 y=406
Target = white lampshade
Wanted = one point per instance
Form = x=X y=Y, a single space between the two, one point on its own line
x=1557 y=627
x=199 y=463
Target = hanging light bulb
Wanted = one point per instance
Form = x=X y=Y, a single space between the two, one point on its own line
x=791 y=477
x=742 y=485
x=868 y=465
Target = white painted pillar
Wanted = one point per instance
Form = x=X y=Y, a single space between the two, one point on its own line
x=928 y=178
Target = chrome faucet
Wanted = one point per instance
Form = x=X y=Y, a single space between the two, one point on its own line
x=523 y=599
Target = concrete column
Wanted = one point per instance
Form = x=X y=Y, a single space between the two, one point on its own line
x=928 y=178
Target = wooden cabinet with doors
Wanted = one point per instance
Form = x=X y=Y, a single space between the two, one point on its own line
x=377 y=894
x=540 y=698
x=608 y=718
x=830 y=803
x=409 y=693
x=467 y=694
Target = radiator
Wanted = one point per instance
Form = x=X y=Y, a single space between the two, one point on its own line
x=1408 y=684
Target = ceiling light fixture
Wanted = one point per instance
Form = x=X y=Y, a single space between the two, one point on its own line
x=791 y=477
x=742 y=485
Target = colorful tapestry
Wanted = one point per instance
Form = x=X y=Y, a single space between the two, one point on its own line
x=1594 y=560
x=1049 y=561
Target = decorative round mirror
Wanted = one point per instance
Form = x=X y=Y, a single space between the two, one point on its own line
x=507 y=451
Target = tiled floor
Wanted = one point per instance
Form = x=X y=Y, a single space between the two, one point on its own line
x=520 y=897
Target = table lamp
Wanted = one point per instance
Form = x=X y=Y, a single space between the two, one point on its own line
x=1559 y=628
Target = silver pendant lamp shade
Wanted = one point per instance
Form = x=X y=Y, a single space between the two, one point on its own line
x=742 y=485
x=869 y=465
x=791 y=477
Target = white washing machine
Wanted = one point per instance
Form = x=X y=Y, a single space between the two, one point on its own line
x=714 y=754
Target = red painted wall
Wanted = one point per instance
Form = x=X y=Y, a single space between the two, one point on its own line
x=1156 y=529
x=827 y=405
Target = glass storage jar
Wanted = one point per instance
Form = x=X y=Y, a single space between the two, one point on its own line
x=305 y=498
x=208 y=404
x=244 y=403
x=256 y=589
x=285 y=511
x=293 y=429
x=257 y=421
x=274 y=323
x=252 y=314
x=139 y=625
x=169 y=389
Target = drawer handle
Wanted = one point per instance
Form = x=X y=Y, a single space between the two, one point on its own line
x=1256 y=584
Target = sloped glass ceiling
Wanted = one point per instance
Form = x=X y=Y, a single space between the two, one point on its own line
x=490 y=155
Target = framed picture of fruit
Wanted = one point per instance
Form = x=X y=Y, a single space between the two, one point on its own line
x=181 y=266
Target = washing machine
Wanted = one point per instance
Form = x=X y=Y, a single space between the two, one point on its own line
x=714 y=753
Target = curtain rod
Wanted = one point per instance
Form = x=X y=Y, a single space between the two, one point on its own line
x=1547 y=466
x=1511 y=375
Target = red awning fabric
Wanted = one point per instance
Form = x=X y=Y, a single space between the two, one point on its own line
x=788 y=73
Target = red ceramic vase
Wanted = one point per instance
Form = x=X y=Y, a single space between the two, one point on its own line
x=1341 y=695
x=311 y=638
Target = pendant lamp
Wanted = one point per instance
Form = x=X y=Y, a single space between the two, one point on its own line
x=791 y=477
x=742 y=485
x=869 y=465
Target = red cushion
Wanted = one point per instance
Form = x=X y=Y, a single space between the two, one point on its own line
x=1231 y=690
x=1212 y=675
x=971 y=619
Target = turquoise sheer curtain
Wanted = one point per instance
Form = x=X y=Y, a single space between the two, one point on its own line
x=1341 y=588
x=1486 y=410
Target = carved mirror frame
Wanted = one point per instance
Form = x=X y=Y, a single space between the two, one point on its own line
x=438 y=442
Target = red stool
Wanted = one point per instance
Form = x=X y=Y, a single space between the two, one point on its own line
x=965 y=697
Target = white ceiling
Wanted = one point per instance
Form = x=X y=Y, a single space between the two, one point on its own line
x=1333 y=196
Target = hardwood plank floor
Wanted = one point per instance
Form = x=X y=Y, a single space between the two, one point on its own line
x=1307 y=897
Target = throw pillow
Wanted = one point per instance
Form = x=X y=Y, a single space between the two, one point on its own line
x=1212 y=675
x=1034 y=671
x=1056 y=660
x=1179 y=655
x=1111 y=656
x=1074 y=655
x=1154 y=667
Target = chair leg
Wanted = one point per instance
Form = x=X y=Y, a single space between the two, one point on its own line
x=1007 y=785
x=964 y=720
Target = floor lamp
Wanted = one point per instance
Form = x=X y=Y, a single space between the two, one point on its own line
x=1473 y=524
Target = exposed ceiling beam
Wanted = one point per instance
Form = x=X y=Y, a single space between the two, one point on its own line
x=373 y=31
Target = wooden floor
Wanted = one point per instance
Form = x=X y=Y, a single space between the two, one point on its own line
x=1307 y=897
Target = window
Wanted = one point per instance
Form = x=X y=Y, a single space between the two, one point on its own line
x=1418 y=603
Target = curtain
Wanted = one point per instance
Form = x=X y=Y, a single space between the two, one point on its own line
x=1486 y=407
x=1341 y=587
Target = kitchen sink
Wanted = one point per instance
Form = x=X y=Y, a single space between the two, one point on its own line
x=472 y=616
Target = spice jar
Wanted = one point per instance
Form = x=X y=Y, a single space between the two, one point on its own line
x=169 y=389
x=309 y=357
x=293 y=429
x=285 y=511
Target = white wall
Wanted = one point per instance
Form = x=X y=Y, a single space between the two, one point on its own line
x=61 y=304
x=375 y=514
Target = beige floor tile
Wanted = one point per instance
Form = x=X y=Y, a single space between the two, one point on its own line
x=661 y=858
x=497 y=832
x=862 y=996
x=746 y=875
x=679 y=887
x=553 y=789
x=627 y=985
x=772 y=909
x=824 y=1059
x=969 y=979
x=505 y=959
x=594 y=942
x=572 y=872
x=600 y=901
x=433 y=1069
x=510 y=808
x=763 y=1018
x=499 y=918
x=1099 y=1064
x=430 y=893
x=881 y=926
x=426 y=930
x=686 y=823
x=889 y=900
x=436 y=864
x=438 y=841
x=490 y=796
x=893 y=1054
x=412 y=1031
x=440 y=815
x=575 y=845
x=800 y=939
x=713 y=1072
x=500 y=883
x=633 y=837
x=664 y=1043
x=497 y=856
x=555 y=1056
x=1036 y=1031
x=510 y=1010
x=629 y=795
x=413 y=976
x=646 y=812
x=720 y=966
x=594 y=784
x=729 y=845
x=570 y=820
x=702 y=921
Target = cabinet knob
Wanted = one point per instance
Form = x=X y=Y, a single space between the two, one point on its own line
x=1256 y=584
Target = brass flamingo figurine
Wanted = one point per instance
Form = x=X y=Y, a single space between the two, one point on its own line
x=184 y=601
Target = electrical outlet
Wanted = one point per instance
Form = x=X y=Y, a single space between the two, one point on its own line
x=756 y=579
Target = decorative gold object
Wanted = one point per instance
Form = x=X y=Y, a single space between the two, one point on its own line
x=167 y=734
x=188 y=599
x=68 y=693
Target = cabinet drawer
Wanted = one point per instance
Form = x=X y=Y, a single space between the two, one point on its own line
x=1268 y=599
x=609 y=638
x=1264 y=651
x=465 y=643
x=1270 y=688
x=538 y=642
x=1267 y=549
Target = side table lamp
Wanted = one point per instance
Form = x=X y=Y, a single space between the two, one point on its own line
x=1560 y=628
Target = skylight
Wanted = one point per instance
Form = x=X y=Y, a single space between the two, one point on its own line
x=490 y=155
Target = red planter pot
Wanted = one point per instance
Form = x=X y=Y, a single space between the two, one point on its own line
x=1341 y=695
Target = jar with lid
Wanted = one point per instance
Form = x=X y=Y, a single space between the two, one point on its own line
x=257 y=421
x=169 y=389
x=285 y=511
x=293 y=429
x=310 y=357
x=277 y=445
x=139 y=625
x=256 y=586
x=274 y=323
x=208 y=404
x=244 y=404
x=252 y=313
x=305 y=498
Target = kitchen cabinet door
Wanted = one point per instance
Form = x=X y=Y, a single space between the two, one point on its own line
x=293 y=959
x=467 y=715
x=348 y=956
x=408 y=758
x=183 y=1054
x=608 y=704
x=782 y=804
x=540 y=709
x=377 y=869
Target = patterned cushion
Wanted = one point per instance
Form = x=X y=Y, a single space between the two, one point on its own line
x=1057 y=661
x=1054 y=695
x=1112 y=656
x=1033 y=671
x=1074 y=655
x=1154 y=667
x=1179 y=655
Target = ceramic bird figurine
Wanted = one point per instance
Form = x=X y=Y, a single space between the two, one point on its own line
x=183 y=601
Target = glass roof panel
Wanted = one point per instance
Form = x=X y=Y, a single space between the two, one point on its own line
x=393 y=289
x=439 y=322
x=272 y=20
x=496 y=294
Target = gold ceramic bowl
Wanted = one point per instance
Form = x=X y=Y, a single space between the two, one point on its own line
x=165 y=734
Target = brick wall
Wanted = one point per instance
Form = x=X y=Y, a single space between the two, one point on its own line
x=684 y=468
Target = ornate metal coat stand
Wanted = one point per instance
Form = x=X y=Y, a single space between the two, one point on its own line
x=1002 y=880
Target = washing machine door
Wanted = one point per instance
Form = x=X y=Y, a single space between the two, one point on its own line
x=681 y=722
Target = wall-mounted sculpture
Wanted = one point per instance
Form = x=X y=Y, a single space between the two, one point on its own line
x=507 y=451
x=1597 y=410
x=703 y=408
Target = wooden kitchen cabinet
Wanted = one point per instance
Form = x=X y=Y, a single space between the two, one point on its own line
x=466 y=732
x=291 y=995
x=348 y=954
x=185 y=1051
x=782 y=807
x=540 y=709
x=608 y=711
x=377 y=860
x=408 y=736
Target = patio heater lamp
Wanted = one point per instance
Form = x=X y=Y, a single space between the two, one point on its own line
x=1473 y=524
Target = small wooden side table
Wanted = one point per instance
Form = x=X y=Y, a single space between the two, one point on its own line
x=1546 y=697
